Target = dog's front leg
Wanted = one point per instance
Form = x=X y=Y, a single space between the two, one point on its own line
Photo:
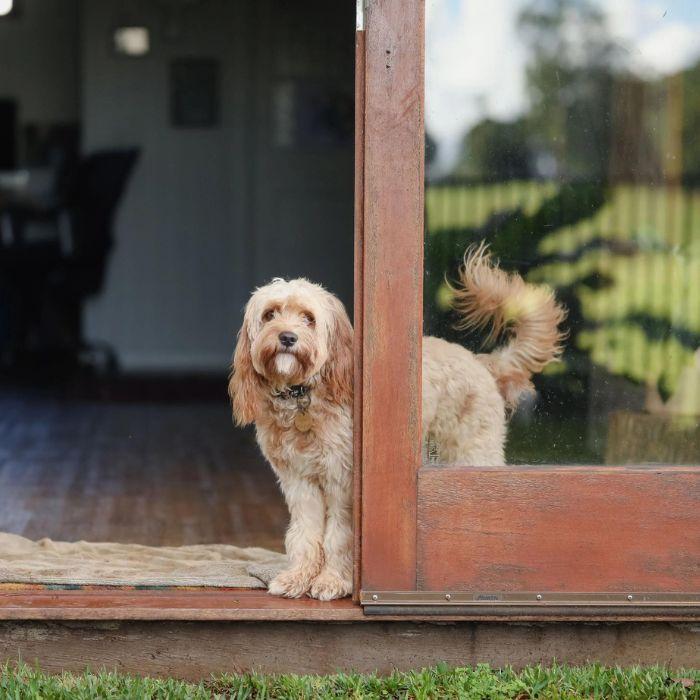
x=304 y=539
x=335 y=579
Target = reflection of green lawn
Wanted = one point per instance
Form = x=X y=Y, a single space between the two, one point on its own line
x=643 y=316
x=549 y=440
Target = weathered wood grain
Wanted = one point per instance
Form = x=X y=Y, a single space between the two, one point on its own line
x=194 y=651
x=206 y=604
x=565 y=530
x=392 y=286
x=358 y=318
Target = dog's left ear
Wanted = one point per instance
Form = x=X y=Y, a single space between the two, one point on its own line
x=337 y=373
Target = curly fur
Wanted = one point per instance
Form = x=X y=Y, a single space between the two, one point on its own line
x=466 y=398
x=528 y=316
x=314 y=468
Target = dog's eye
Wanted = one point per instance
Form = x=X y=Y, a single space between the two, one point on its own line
x=268 y=315
x=308 y=318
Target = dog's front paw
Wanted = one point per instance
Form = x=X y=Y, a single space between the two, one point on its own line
x=292 y=583
x=328 y=586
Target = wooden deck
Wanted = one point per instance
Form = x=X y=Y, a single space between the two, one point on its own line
x=150 y=473
x=206 y=604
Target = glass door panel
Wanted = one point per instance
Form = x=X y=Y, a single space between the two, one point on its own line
x=563 y=133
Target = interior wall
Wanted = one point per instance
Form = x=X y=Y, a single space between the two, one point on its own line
x=304 y=176
x=40 y=42
x=210 y=213
x=176 y=276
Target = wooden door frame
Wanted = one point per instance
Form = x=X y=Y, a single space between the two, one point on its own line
x=412 y=558
x=388 y=302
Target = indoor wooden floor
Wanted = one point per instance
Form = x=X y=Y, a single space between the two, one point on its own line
x=158 y=474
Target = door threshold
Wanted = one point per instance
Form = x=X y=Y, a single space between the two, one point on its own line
x=251 y=605
x=242 y=604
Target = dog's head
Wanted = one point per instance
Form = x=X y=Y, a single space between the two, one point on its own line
x=293 y=332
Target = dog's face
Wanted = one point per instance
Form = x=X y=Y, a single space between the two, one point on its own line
x=292 y=331
x=289 y=328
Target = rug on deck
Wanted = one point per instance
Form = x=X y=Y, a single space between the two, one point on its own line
x=109 y=564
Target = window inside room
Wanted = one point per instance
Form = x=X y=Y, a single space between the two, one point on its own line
x=563 y=134
x=141 y=201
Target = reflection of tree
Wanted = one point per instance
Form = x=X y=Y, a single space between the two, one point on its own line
x=588 y=118
x=598 y=128
x=593 y=191
x=625 y=260
x=514 y=236
x=496 y=151
x=655 y=124
x=690 y=92
x=431 y=151
x=564 y=133
x=569 y=82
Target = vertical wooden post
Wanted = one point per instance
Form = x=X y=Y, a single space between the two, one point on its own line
x=392 y=303
x=357 y=306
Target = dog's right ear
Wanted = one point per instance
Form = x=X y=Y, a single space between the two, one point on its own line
x=244 y=382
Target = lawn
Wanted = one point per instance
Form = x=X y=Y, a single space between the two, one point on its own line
x=642 y=311
x=440 y=682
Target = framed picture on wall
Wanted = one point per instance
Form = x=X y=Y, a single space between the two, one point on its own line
x=194 y=93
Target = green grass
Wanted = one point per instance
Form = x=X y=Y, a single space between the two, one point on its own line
x=440 y=682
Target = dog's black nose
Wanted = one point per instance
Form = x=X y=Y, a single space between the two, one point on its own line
x=287 y=338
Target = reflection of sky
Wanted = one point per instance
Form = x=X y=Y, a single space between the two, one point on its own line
x=475 y=61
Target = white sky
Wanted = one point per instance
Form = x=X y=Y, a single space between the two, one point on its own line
x=475 y=61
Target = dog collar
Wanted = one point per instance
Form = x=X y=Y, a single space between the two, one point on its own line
x=296 y=391
x=300 y=393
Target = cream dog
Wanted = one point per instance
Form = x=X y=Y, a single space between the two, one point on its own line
x=292 y=377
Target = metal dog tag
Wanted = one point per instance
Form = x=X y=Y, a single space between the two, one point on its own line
x=303 y=422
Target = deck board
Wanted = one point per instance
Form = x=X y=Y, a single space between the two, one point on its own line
x=240 y=604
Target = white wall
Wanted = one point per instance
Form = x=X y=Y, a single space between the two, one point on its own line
x=176 y=277
x=39 y=60
x=304 y=190
x=210 y=213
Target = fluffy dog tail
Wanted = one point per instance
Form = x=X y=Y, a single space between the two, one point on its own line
x=526 y=315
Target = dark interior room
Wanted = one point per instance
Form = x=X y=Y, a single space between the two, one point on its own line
x=158 y=161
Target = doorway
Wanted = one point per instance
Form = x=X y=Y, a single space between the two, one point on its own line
x=237 y=118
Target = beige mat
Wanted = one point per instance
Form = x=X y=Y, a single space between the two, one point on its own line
x=107 y=564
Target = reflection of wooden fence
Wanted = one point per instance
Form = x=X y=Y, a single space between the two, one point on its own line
x=633 y=264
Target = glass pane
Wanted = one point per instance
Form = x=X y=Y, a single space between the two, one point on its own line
x=564 y=134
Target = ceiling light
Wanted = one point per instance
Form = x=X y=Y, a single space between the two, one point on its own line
x=131 y=41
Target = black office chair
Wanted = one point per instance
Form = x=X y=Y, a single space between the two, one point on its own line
x=8 y=134
x=97 y=190
x=55 y=276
